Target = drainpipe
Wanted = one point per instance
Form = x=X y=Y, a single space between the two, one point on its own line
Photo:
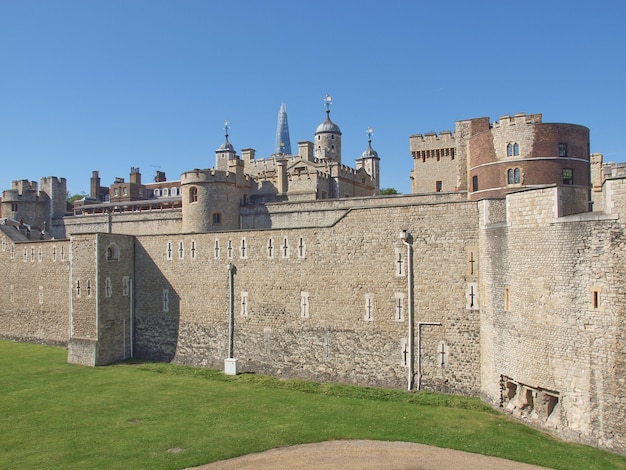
x=230 y=364
x=405 y=236
x=231 y=310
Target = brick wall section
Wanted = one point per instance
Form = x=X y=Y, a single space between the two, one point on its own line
x=33 y=299
x=552 y=338
x=339 y=267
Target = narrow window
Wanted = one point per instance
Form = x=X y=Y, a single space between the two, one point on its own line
x=88 y=288
x=78 y=288
x=181 y=250
x=12 y=293
x=369 y=307
x=229 y=249
x=472 y=261
x=270 y=248
x=509 y=150
x=12 y=252
x=166 y=300
x=304 y=304
x=568 y=176
x=438 y=186
x=217 y=249
x=54 y=253
x=193 y=249
x=108 y=287
x=193 y=194
x=442 y=354
x=475 y=183
x=285 y=248
x=40 y=295
x=25 y=256
x=217 y=218
x=471 y=296
x=301 y=248
x=404 y=351
x=40 y=255
x=14 y=207
x=562 y=150
x=244 y=304
x=32 y=253
x=327 y=344
x=399 y=306
x=4 y=245
x=596 y=298
x=510 y=176
x=243 y=249
x=169 y=251
x=62 y=253
x=515 y=149
x=125 y=286
x=399 y=262
x=267 y=340
x=516 y=176
x=507 y=298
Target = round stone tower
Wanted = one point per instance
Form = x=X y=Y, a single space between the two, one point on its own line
x=328 y=137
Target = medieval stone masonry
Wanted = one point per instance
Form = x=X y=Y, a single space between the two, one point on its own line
x=487 y=281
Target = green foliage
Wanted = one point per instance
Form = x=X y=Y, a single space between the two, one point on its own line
x=132 y=414
x=76 y=197
x=388 y=191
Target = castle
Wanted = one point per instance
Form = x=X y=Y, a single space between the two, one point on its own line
x=501 y=276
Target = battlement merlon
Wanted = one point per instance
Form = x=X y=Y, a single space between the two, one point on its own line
x=518 y=119
x=212 y=175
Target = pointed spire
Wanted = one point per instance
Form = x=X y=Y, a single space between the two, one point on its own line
x=283 y=143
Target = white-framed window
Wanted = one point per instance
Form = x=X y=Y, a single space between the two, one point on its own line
x=168 y=251
x=216 y=249
x=304 y=305
x=40 y=254
x=78 y=287
x=471 y=296
x=193 y=250
x=270 y=248
x=243 y=249
x=400 y=261
x=181 y=249
x=284 y=248
x=399 y=306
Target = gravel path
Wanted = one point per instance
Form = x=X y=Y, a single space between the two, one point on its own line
x=366 y=455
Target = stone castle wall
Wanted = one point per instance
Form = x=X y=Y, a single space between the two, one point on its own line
x=552 y=320
x=327 y=305
x=34 y=299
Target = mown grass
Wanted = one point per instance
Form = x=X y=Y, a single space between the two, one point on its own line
x=163 y=416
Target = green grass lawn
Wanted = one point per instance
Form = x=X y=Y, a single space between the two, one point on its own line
x=130 y=416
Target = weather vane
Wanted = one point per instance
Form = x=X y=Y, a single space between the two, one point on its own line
x=370 y=131
x=226 y=128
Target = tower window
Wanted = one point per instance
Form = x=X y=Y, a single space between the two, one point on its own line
x=562 y=150
x=217 y=218
x=193 y=194
x=475 y=183
x=568 y=176
x=513 y=176
x=438 y=186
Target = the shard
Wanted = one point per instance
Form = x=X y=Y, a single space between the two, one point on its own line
x=283 y=144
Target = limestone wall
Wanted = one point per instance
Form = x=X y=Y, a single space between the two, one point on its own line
x=34 y=291
x=552 y=318
x=323 y=304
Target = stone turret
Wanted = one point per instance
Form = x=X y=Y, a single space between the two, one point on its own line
x=328 y=138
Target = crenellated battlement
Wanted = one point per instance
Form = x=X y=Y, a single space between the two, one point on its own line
x=432 y=138
x=518 y=119
x=211 y=175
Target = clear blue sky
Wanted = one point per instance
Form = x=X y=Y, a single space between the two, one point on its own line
x=109 y=84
